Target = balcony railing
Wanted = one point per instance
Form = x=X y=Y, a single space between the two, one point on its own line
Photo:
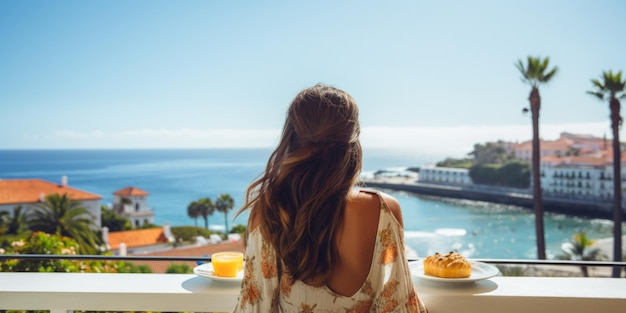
x=63 y=292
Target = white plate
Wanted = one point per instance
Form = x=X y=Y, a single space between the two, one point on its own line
x=480 y=271
x=206 y=270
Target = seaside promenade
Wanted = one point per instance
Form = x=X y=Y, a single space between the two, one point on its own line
x=495 y=194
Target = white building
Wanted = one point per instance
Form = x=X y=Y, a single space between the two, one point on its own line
x=579 y=177
x=28 y=193
x=132 y=203
x=444 y=175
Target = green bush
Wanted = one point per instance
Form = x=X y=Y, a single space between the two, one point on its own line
x=238 y=229
x=189 y=233
x=42 y=243
x=511 y=174
x=456 y=163
x=178 y=269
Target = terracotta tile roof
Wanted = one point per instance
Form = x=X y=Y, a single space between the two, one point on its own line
x=559 y=144
x=130 y=191
x=18 y=191
x=575 y=160
x=551 y=158
x=137 y=238
x=161 y=266
x=609 y=156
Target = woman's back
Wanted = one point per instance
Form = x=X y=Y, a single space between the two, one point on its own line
x=371 y=274
x=315 y=244
x=355 y=243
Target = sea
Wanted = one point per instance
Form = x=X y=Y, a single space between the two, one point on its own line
x=176 y=177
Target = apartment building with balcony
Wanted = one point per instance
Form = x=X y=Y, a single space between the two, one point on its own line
x=132 y=203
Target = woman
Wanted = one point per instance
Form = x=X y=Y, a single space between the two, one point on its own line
x=315 y=243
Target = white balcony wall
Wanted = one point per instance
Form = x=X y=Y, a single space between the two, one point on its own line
x=62 y=292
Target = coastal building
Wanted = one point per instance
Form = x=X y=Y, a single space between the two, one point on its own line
x=132 y=203
x=559 y=147
x=588 y=177
x=587 y=144
x=138 y=241
x=431 y=174
x=568 y=144
x=28 y=193
x=574 y=166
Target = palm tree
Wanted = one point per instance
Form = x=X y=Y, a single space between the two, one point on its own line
x=224 y=203
x=16 y=223
x=534 y=74
x=12 y=224
x=61 y=215
x=206 y=209
x=612 y=88
x=579 y=249
x=4 y=220
x=113 y=220
x=193 y=211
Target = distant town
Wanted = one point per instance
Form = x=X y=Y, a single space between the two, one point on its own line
x=576 y=175
x=572 y=166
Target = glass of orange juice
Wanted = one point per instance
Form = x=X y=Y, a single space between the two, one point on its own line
x=227 y=264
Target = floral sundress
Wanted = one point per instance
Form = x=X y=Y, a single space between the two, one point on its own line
x=387 y=288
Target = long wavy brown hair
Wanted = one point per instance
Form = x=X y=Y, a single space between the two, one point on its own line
x=300 y=198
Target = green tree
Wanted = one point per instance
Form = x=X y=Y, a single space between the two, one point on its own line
x=193 y=211
x=113 y=220
x=611 y=87
x=580 y=249
x=61 y=215
x=206 y=207
x=511 y=174
x=13 y=224
x=489 y=153
x=4 y=217
x=455 y=163
x=224 y=203
x=535 y=73
x=123 y=202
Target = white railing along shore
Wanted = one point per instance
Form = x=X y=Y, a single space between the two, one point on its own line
x=63 y=292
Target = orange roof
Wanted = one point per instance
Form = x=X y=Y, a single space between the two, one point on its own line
x=130 y=191
x=137 y=238
x=21 y=191
x=193 y=251
x=574 y=160
x=559 y=144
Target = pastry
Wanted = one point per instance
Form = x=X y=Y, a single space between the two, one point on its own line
x=451 y=265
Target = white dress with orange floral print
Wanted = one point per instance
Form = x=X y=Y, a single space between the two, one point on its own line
x=387 y=288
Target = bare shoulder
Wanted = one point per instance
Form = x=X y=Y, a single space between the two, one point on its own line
x=254 y=221
x=394 y=207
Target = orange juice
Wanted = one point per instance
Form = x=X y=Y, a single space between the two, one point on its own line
x=227 y=264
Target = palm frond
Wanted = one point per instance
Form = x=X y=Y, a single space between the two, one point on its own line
x=613 y=81
x=552 y=73
x=543 y=64
x=534 y=72
x=597 y=94
x=598 y=84
x=520 y=66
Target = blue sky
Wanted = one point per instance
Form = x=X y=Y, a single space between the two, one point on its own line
x=433 y=76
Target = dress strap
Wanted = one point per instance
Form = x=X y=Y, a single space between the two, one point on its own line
x=370 y=191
